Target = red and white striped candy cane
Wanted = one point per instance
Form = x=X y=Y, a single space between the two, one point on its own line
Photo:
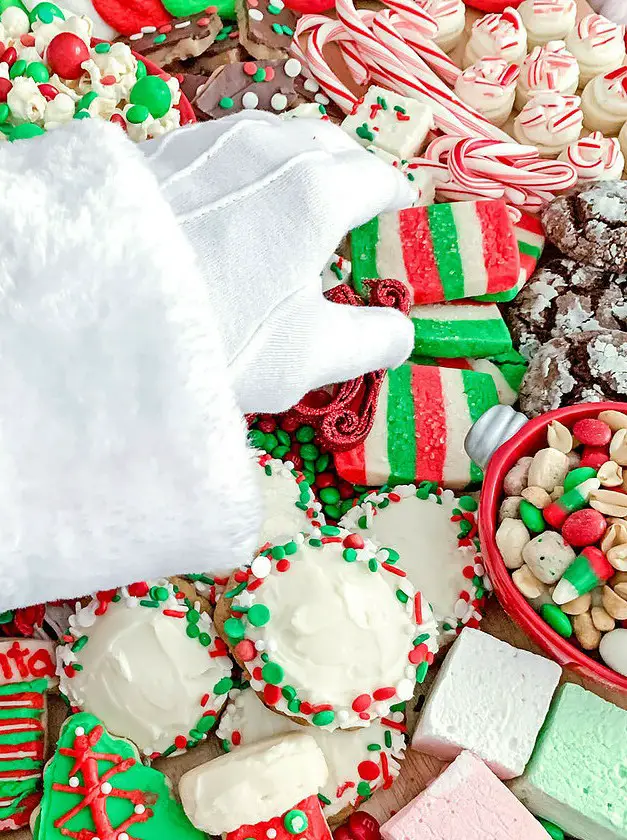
x=427 y=49
x=318 y=35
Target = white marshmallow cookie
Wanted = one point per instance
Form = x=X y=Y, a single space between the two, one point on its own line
x=598 y=45
x=360 y=761
x=489 y=86
x=435 y=535
x=329 y=630
x=497 y=36
x=549 y=121
x=604 y=102
x=547 y=20
x=397 y=124
x=148 y=664
x=450 y=16
x=550 y=67
x=595 y=158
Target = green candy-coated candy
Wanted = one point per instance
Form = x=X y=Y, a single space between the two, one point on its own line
x=270 y=442
x=6 y=616
x=283 y=437
x=578 y=476
x=46 y=13
x=323 y=718
x=153 y=93
x=295 y=821
x=305 y=434
x=258 y=615
x=234 y=629
x=323 y=462
x=532 y=517
x=557 y=619
x=309 y=476
x=85 y=101
x=12 y=4
x=256 y=438
x=18 y=69
x=554 y=831
x=309 y=452
x=4 y=112
x=82 y=115
x=332 y=511
x=272 y=673
x=25 y=131
x=38 y=72
x=136 y=114
x=226 y=102
x=280 y=451
x=330 y=495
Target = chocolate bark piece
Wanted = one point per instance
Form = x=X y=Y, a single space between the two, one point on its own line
x=266 y=27
x=247 y=85
x=190 y=84
x=226 y=49
x=184 y=38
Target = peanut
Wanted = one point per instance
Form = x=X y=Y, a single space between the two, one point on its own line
x=614 y=604
x=619 y=577
x=614 y=419
x=602 y=620
x=615 y=535
x=618 y=447
x=528 y=584
x=609 y=502
x=610 y=474
x=574 y=459
x=537 y=496
x=621 y=589
x=548 y=469
x=587 y=634
x=578 y=605
x=511 y=537
x=516 y=479
x=617 y=557
x=559 y=437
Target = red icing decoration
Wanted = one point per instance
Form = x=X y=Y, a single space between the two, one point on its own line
x=384 y=693
x=271 y=694
x=361 y=703
x=138 y=589
x=368 y=770
x=65 y=54
x=245 y=650
x=316 y=830
x=86 y=763
x=128 y=16
x=23 y=660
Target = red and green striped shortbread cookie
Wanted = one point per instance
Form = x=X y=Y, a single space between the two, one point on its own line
x=440 y=252
x=288 y=506
x=423 y=416
x=506 y=369
x=360 y=761
x=148 y=664
x=530 y=237
x=436 y=535
x=453 y=330
x=327 y=632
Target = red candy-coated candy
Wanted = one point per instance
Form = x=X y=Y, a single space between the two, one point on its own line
x=342 y=833
x=357 y=541
x=267 y=425
x=363 y=826
x=594 y=456
x=325 y=480
x=5 y=87
x=9 y=56
x=295 y=458
x=49 y=92
x=65 y=54
x=592 y=432
x=584 y=527
x=289 y=424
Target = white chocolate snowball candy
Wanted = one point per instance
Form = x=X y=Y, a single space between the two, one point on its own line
x=549 y=121
x=604 y=102
x=547 y=20
x=489 y=86
x=253 y=784
x=497 y=36
x=450 y=16
x=613 y=650
x=550 y=67
x=595 y=158
x=598 y=45
x=511 y=537
x=247 y=721
x=548 y=556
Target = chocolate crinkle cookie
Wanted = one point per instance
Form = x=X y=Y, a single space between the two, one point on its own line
x=562 y=298
x=587 y=367
x=590 y=224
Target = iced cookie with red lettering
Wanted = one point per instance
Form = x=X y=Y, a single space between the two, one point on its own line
x=359 y=761
x=329 y=629
x=27 y=672
x=95 y=786
x=148 y=665
x=436 y=536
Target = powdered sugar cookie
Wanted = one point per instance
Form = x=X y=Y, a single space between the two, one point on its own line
x=148 y=664
x=360 y=761
x=435 y=535
x=497 y=36
x=549 y=121
x=598 y=45
x=450 y=16
x=550 y=67
x=489 y=86
x=328 y=629
x=604 y=102
x=547 y=20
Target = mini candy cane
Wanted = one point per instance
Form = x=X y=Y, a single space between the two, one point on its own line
x=319 y=35
x=429 y=51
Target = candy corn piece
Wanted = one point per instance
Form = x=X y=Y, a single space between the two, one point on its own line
x=454 y=330
x=440 y=252
x=557 y=512
x=423 y=415
x=587 y=571
x=530 y=237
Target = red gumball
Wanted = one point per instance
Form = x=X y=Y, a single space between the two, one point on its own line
x=584 y=527
x=342 y=833
x=65 y=54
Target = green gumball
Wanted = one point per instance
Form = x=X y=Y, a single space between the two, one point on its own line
x=154 y=94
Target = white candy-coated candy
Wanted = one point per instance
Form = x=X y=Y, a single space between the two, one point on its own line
x=548 y=556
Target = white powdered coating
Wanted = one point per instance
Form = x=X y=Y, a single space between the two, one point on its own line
x=609 y=361
x=547 y=20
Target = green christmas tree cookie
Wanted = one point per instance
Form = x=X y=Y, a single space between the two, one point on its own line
x=95 y=786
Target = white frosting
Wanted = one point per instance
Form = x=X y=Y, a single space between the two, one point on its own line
x=307 y=110
x=547 y=20
x=598 y=45
x=420 y=179
x=280 y=493
x=254 y=784
x=596 y=158
x=450 y=16
x=142 y=675
x=549 y=121
x=497 y=36
x=604 y=102
x=26 y=102
x=550 y=67
x=337 y=630
x=251 y=721
x=336 y=271
x=489 y=86
x=422 y=533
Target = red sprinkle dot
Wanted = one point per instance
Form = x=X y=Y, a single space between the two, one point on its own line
x=180 y=742
x=245 y=650
x=250 y=68
x=138 y=589
x=361 y=703
x=205 y=21
x=240 y=576
x=272 y=694
x=269 y=74
x=306 y=708
x=592 y=432
x=473 y=622
x=163 y=30
x=364 y=715
x=283 y=565
x=468 y=572
x=236 y=738
x=368 y=770
x=384 y=693
x=417 y=655
x=257 y=673
x=354 y=541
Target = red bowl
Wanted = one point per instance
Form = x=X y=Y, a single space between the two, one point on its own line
x=526 y=442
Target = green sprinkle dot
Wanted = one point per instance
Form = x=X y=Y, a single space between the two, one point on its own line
x=159 y=39
x=350 y=555
x=195 y=735
x=206 y=723
x=287 y=30
x=315 y=543
x=420 y=639
x=290 y=548
x=146 y=603
x=373 y=747
x=102 y=49
x=323 y=799
x=234 y=628
x=403 y=597
x=323 y=718
x=204 y=639
x=289 y=692
x=468 y=503
x=330 y=531
x=276 y=27
x=80 y=643
x=278 y=552
x=159 y=593
x=193 y=616
x=259 y=75
x=223 y=686
x=421 y=671
x=294 y=706
x=393 y=556
x=272 y=673
x=258 y=615
x=192 y=631
x=226 y=102
x=295 y=821
x=372 y=564
x=363 y=132
x=274 y=10
x=387 y=738
x=364 y=790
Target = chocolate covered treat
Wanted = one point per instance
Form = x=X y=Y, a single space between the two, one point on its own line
x=562 y=298
x=184 y=38
x=589 y=367
x=248 y=85
x=266 y=27
x=590 y=224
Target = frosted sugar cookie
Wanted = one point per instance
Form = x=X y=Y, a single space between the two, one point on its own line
x=547 y=20
x=489 y=86
x=598 y=45
x=550 y=67
x=604 y=102
x=497 y=36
